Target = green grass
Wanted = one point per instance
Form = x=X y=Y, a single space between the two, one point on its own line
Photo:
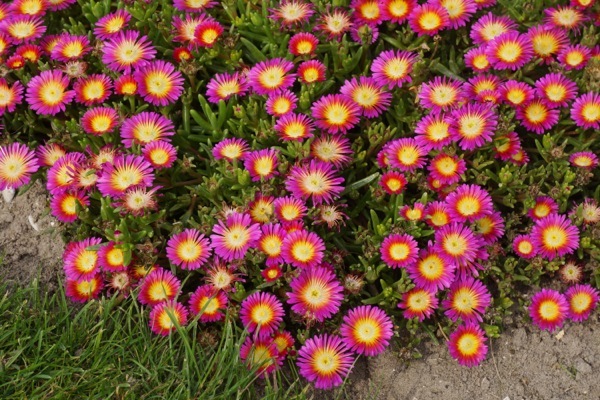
x=105 y=350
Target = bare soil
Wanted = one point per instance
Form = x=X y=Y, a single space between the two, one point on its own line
x=523 y=364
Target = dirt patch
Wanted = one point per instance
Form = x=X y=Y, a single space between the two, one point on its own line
x=30 y=243
x=523 y=364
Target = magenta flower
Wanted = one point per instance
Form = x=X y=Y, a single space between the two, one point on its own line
x=17 y=163
x=509 y=51
x=268 y=76
x=549 y=309
x=146 y=127
x=335 y=113
x=468 y=203
x=127 y=51
x=393 y=68
x=158 y=286
x=10 y=96
x=418 y=303
x=367 y=330
x=160 y=154
x=80 y=261
x=165 y=317
x=467 y=299
x=369 y=94
x=232 y=239
x=316 y=293
x=127 y=171
x=556 y=89
x=433 y=132
x=431 y=272
x=459 y=11
x=441 y=94
x=159 y=83
x=399 y=250
x=473 y=125
x=457 y=243
x=47 y=92
x=261 y=312
x=406 y=154
x=538 y=116
x=582 y=300
x=490 y=26
x=189 y=249
x=554 y=236
x=294 y=127
x=223 y=86
x=584 y=159
x=428 y=19
x=586 y=111
x=111 y=24
x=315 y=180
x=280 y=103
x=303 y=249
x=230 y=149
x=64 y=205
x=324 y=360
x=209 y=303
x=467 y=345
x=261 y=164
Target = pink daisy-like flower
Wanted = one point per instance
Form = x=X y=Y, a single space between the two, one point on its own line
x=207 y=32
x=316 y=293
x=543 y=207
x=17 y=163
x=268 y=76
x=261 y=164
x=549 y=309
x=509 y=51
x=590 y=211
x=26 y=7
x=111 y=24
x=60 y=176
x=189 y=249
x=193 y=6
x=111 y=258
x=565 y=17
x=231 y=149
x=414 y=213
x=184 y=29
x=284 y=342
x=311 y=71
x=506 y=146
x=554 y=236
x=468 y=203
x=477 y=59
x=556 y=89
x=281 y=102
x=473 y=125
x=418 y=303
x=467 y=299
x=23 y=28
x=47 y=92
x=272 y=273
x=289 y=209
x=261 y=312
x=586 y=111
x=490 y=227
x=446 y=168
x=335 y=23
x=82 y=290
x=428 y=19
x=292 y=12
x=315 y=180
x=166 y=316
x=406 y=154
x=49 y=153
x=459 y=11
x=367 y=12
x=125 y=85
x=260 y=354
x=271 y=241
x=158 y=286
x=397 y=11
x=584 y=159
x=491 y=26
x=399 y=250
x=160 y=154
x=335 y=150
x=547 y=41
x=126 y=172
x=582 y=300
x=294 y=127
x=393 y=68
x=467 y=345
x=64 y=205
x=482 y=83
x=516 y=93
x=436 y=214
x=433 y=132
x=324 y=360
x=232 y=239
x=336 y=113
x=223 y=86
x=431 y=271
x=93 y=89
x=146 y=127
x=457 y=243
x=303 y=249
x=261 y=208
x=393 y=182
x=441 y=94
x=537 y=116
x=368 y=94
x=80 y=261
x=574 y=57
x=367 y=330
x=159 y=83
x=127 y=51
x=71 y=47
x=10 y=96
x=99 y=120
x=182 y=54
x=524 y=247
x=303 y=44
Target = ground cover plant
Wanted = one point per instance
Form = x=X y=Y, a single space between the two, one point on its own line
x=325 y=175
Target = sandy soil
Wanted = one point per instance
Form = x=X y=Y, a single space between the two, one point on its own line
x=523 y=364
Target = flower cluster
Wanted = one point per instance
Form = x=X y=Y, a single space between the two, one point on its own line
x=214 y=161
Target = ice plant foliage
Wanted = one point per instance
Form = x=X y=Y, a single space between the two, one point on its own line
x=324 y=167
